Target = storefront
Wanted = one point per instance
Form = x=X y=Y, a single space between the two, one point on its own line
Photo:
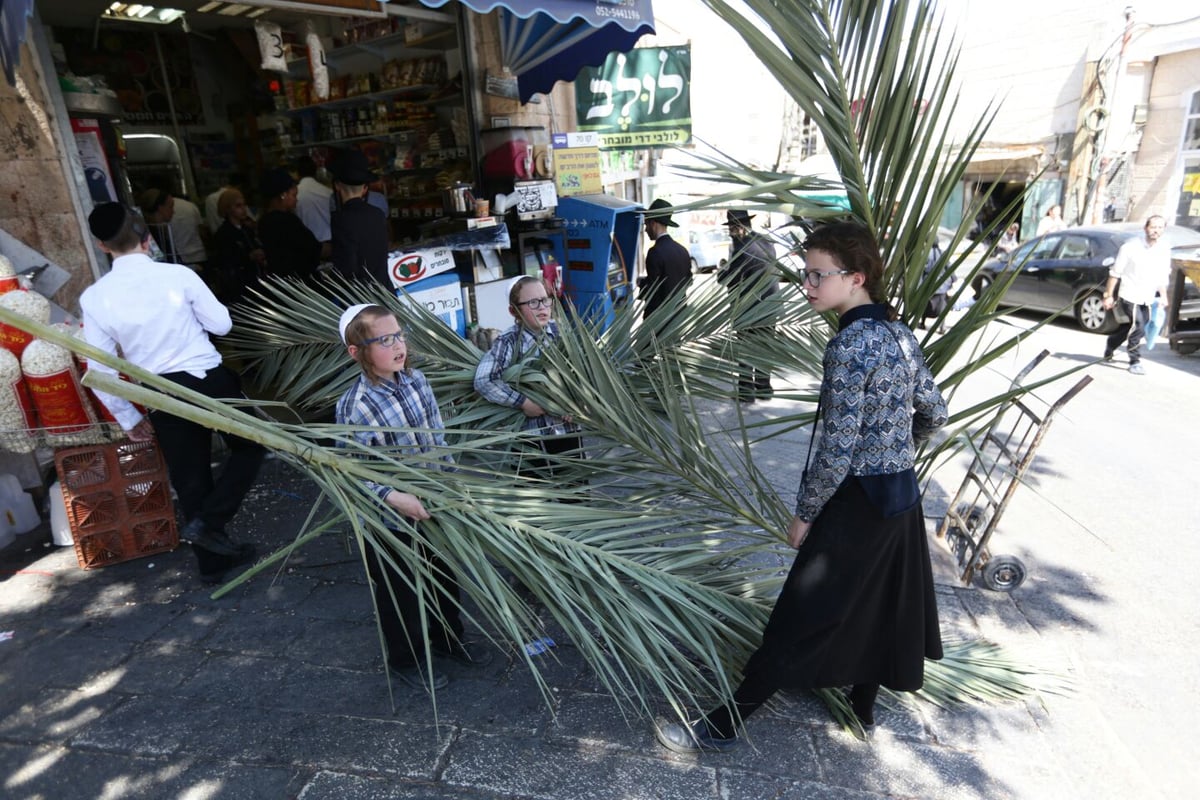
x=205 y=95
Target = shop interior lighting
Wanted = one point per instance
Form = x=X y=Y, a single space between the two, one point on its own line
x=138 y=12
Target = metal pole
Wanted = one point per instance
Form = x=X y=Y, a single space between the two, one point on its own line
x=184 y=160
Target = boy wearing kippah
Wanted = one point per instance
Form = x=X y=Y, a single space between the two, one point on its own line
x=159 y=317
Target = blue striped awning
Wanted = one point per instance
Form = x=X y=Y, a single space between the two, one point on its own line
x=546 y=41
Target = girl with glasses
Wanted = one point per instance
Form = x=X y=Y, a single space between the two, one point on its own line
x=533 y=310
x=857 y=609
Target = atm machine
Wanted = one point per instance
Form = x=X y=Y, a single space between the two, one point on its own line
x=602 y=246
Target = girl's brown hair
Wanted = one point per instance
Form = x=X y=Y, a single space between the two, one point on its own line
x=854 y=249
x=514 y=293
x=359 y=330
x=227 y=200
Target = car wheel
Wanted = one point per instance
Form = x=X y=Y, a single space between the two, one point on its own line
x=1092 y=316
x=981 y=284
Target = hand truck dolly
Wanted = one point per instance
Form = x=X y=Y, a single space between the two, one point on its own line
x=1004 y=450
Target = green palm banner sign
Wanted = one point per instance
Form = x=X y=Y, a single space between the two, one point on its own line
x=638 y=99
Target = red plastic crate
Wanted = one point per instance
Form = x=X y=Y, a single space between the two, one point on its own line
x=118 y=501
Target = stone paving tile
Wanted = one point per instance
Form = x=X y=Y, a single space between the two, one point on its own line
x=549 y=771
x=55 y=772
x=314 y=689
x=266 y=634
x=57 y=661
x=895 y=766
x=53 y=715
x=327 y=785
x=237 y=680
x=333 y=643
x=193 y=626
x=157 y=669
x=735 y=785
x=166 y=727
x=351 y=744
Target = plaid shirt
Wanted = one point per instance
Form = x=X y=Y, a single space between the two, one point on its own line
x=394 y=409
x=515 y=344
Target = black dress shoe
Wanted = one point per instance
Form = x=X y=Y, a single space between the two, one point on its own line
x=214 y=541
x=214 y=567
x=415 y=677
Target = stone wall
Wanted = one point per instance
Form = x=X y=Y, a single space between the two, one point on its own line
x=1154 y=188
x=36 y=206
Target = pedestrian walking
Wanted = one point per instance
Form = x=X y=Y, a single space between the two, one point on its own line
x=752 y=257
x=668 y=264
x=1141 y=272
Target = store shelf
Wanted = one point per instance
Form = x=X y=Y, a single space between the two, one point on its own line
x=358 y=99
x=374 y=137
x=385 y=48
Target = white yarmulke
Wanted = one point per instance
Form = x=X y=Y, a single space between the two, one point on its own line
x=348 y=316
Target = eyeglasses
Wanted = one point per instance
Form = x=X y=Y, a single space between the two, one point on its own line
x=813 y=278
x=387 y=340
x=537 y=302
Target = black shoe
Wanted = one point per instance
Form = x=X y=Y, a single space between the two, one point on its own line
x=213 y=541
x=1108 y=355
x=470 y=654
x=414 y=676
x=214 y=567
x=745 y=398
x=690 y=739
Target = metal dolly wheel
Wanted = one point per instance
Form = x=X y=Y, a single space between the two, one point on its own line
x=1005 y=451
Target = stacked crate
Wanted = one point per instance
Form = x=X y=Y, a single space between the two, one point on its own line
x=118 y=501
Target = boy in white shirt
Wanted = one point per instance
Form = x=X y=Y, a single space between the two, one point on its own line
x=159 y=317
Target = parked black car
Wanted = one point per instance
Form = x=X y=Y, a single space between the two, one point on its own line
x=1066 y=271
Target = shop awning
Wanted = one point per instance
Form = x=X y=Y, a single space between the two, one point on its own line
x=546 y=41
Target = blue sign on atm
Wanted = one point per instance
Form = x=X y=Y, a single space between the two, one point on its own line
x=603 y=234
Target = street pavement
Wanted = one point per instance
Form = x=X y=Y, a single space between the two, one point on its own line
x=131 y=682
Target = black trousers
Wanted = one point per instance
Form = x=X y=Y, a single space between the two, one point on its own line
x=1135 y=329
x=400 y=610
x=187 y=448
x=754 y=381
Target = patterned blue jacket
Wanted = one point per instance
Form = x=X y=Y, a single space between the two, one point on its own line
x=877 y=397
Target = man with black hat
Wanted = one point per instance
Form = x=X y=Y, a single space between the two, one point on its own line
x=159 y=317
x=751 y=258
x=668 y=264
x=360 y=236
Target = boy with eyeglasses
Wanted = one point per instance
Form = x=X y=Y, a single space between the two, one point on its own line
x=395 y=407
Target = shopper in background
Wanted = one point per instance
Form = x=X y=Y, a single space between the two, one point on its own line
x=313 y=203
x=292 y=251
x=238 y=255
x=159 y=317
x=158 y=209
x=395 y=412
x=212 y=217
x=668 y=264
x=1011 y=238
x=360 y=237
x=858 y=607
x=751 y=258
x=1052 y=222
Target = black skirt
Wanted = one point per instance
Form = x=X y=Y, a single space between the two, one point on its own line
x=858 y=605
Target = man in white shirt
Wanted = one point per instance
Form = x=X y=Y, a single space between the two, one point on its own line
x=159 y=317
x=1143 y=267
x=185 y=230
x=313 y=200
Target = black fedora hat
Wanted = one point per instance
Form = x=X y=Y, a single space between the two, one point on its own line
x=663 y=215
x=276 y=181
x=352 y=168
x=738 y=216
